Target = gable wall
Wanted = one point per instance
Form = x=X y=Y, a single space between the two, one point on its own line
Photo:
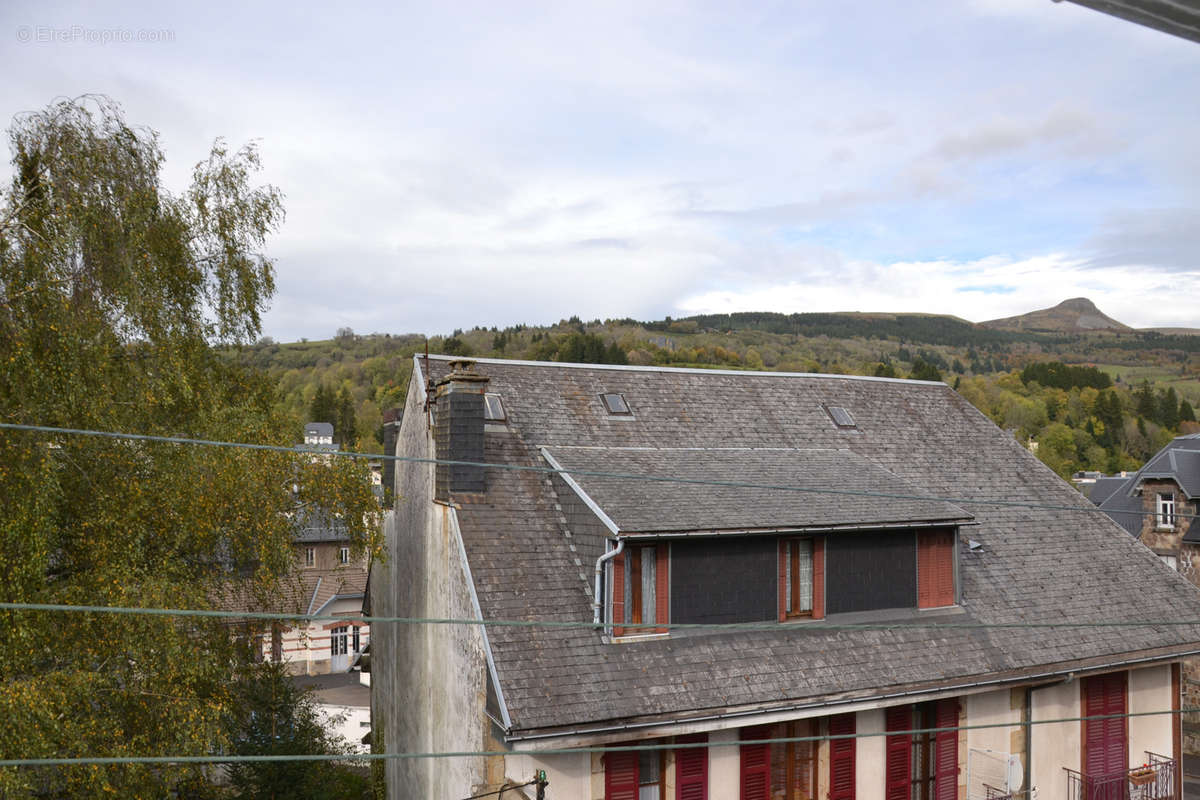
x=424 y=577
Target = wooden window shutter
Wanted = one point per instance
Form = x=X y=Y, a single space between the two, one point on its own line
x=755 y=765
x=898 y=756
x=818 y=600
x=691 y=769
x=935 y=569
x=842 y=772
x=621 y=776
x=662 y=586
x=945 y=780
x=782 y=575
x=618 y=595
x=1105 y=740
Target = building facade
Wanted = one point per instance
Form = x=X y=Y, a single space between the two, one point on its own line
x=882 y=596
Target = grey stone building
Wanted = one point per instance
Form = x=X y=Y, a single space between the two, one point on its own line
x=914 y=596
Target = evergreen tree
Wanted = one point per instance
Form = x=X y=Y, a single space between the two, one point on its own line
x=1186 y=412
x=1168 y=409
x=1146 y=405
x=322 y=408
x=345 y=427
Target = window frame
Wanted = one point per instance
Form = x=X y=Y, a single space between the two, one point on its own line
x=343 y=555
x=310 y=557
x=626 y=600
x=339 y=641
x=788 y=575
x=608 y=407
x=489 y=415
x=1164 y=511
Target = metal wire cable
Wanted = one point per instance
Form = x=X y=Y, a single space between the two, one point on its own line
x=617 y=748
x=300 y=449
x=268 y=616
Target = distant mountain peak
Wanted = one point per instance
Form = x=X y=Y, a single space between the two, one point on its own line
x=1080 y=305
x=1070 y=316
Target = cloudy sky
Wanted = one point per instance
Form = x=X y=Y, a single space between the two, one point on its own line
x=455 y=164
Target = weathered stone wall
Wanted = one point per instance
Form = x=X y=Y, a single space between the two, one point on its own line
x=424 y=576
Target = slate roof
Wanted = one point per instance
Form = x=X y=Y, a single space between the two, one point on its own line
x=1179 y=461
x=823 y=478
x=1056 y=560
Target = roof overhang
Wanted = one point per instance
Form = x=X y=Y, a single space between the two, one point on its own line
x=709 y=720
x=1175 y=17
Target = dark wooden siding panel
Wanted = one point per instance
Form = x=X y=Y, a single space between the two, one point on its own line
x=865 y=571
x=727 y=580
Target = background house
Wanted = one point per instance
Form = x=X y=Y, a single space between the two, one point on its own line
x=952 y=592
x=1158 y=505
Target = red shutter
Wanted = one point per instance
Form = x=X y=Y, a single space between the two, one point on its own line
x=756 y=765
x=818 y=603
x=935 y=569
x=691 y=769
x=783 y=598
x=898 y=780
x=841 y=758
x=621 y=776
x=618 y=594
x=662 y=586
x=945 y=758
x=1105 y=742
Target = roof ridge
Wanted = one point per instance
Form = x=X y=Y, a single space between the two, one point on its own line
x=687 y=370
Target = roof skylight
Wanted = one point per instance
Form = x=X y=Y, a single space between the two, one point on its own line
x=615 y=403
x=841 y=417
x=493 y=408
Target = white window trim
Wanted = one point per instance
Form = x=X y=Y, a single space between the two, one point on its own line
x=1164 y=511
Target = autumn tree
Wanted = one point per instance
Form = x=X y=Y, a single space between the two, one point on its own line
x=114 y=295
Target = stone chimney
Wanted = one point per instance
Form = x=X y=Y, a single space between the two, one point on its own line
x=458 y=431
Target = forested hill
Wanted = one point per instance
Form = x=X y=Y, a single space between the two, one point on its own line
x=1101 y=400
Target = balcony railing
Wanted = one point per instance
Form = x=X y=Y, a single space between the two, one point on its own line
x=1155 y=781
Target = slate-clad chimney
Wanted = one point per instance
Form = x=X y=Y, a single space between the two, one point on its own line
x=458 y=431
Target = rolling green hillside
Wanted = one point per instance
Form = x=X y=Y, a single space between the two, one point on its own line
x=1145 y=390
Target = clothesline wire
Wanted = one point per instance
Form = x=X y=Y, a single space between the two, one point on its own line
x=303 y=450
x=606 y=748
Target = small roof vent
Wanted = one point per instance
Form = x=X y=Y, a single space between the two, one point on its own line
x=615 y=404
x=841 y=417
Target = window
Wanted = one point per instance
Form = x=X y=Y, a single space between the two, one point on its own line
x=310 y=556
x=640 y=590
x=344 y=555
x=841 y=417
x=1165 y=510
x=493 y=408
x=778 y=770
x=338 y=641
x=801 y=578
x=615 y=404
x=634 y=775
x=922 y=766
x=1170 y=561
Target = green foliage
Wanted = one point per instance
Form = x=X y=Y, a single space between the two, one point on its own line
x=112 y=295
x=924 y=371
x=269 y=715
x=1061 y=376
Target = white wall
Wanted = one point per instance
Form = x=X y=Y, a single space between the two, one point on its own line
x=1055 y=745
x=724 y=765
x=1150 y=690
x=870 y=756
x=988 y=749
x=349 y=723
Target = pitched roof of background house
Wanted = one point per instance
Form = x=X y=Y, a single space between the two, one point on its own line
x=1054 y=561
x=1179 y=461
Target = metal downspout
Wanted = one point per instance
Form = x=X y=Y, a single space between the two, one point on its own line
x=611 y=554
